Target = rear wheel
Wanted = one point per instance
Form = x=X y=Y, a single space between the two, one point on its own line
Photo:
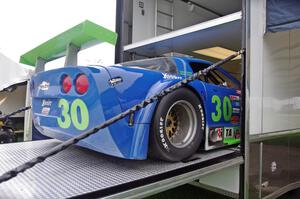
x=177 y=127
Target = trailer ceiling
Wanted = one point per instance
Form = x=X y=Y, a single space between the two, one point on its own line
x=224 y=32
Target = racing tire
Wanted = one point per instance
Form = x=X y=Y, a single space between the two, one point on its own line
x=177 y=127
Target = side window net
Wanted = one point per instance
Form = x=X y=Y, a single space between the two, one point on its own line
x=214 y=77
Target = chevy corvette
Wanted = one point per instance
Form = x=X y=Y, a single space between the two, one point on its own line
x=202 y=115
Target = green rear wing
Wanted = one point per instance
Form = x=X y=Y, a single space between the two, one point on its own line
x=69 y=43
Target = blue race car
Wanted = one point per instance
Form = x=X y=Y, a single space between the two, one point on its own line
x=205 y=114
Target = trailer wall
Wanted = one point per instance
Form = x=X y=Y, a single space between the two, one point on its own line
x=272 y=160
x=274 y=76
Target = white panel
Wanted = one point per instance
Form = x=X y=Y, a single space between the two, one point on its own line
x=274 y=76
x=276 y=82
x=281 y=86
x=294 y=77
x=143 y=25
x=256 y=68
x=185 y=17
x=207 y=32
x=226 y=179
x=164 y=6
x=9 y=102
x=11 y=72
x=164 y=20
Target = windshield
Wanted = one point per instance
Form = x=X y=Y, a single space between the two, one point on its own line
x=162 y=64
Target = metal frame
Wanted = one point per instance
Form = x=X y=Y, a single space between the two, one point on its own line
x=28 y=116
x=175 y=181
x=119 y=30
x=283 y=190
x=244 y=169
x=71 y=55
x=272 y=135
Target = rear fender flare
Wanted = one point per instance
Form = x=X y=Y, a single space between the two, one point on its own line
x=145 y=115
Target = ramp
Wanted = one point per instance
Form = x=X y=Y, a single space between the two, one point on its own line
x=79 y=172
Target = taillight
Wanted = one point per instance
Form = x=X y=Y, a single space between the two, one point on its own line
x=66 y=83
x=82 y=84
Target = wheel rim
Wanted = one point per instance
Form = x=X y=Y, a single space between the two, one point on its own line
x=181 y=124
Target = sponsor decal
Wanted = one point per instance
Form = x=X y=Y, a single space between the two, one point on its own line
x=44 y=86
x=215 y=134
x=185 y=73
x=236 y=103
x=235 y=119
x=46 y=103
x=161 y=134
x=237 y=133
x=234 y=98
x=169 y=76
x=228 y=132
x=236 y=110
x=45 y=110
x=189 y=73
x=202 y=117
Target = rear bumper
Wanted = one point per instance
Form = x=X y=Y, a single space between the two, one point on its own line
x=103 y=141
x=100 y=102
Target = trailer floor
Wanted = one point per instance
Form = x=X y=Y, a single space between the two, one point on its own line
x=79 y=172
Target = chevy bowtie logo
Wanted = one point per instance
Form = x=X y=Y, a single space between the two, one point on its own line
x=44 y=86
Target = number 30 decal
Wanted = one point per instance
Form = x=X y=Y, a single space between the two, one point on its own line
x=66 y=119
x=227 y=109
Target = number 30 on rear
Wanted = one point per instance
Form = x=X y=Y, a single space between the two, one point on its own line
x=69 y=114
